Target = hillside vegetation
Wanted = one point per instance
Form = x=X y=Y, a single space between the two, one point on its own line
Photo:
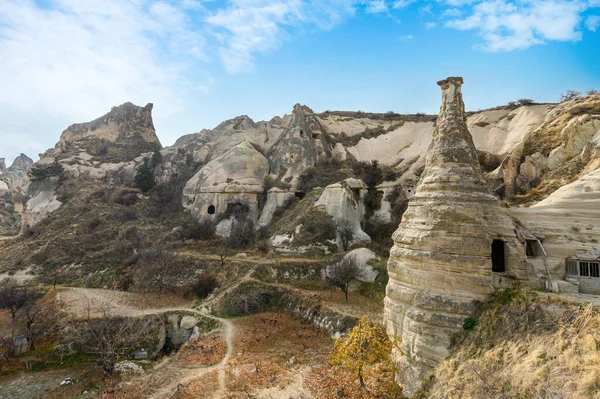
x=524 y=345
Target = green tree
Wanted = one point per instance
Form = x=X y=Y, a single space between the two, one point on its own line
x=144 y=178
x=366 y=345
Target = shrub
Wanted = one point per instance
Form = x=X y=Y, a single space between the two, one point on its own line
x=125 y=283
x=144 y=178
x=317 y=227
x=94 y=223
x=263 y=246
x=126 y=196
x=525 y=101
x=251 y=299
x=592 y=92
x=280 y=210
x=194 y=229
x=322 y=175
x=44 y=172
x=203 y=287
x=569 y=95
x=242 y=233
x=124 y=215
x=469 y=324
x=31 y=231
x=370 y=173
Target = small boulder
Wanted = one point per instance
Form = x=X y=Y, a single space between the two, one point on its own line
x=189 y=322
x=364 y=258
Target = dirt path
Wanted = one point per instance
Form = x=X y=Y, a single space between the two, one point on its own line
x=80 y=301
x=182 y=377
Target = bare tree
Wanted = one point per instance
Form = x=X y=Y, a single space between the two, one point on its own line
x=223 y=254
x=112 y=338
x=160 y=268
x=569 y=95
x=14 y=296
x=345 y=231
x=592 y=92
x=342 y=273
x=54 y=277
x=39 y=319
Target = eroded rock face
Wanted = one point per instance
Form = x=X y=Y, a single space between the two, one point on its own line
x=276 y=198
x=192 y=151
x=126 y=125
x=344 y=202
x=301 y=145
x=235 y=177
x=10 y=220
x=441 y=264
x=15 y=175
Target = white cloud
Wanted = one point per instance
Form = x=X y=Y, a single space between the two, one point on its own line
x=592 y=22
x=406 y=38
x=402 y=3
x=79 y=57
x=509 y=25
x=376 y=7
x=452 y=12
x=430 y=25
x=247 y=27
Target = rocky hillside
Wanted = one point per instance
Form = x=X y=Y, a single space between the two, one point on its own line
x=270 y=169
x=522 y=345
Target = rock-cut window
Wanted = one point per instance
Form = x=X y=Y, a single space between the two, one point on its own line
x=211 y=210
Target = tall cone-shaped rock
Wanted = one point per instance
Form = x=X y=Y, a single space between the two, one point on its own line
x=441 y=262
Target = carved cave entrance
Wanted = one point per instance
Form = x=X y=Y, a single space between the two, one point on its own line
x=211 y=210
x=498 y=263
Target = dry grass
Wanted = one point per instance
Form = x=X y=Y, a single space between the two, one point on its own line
x=525 y=346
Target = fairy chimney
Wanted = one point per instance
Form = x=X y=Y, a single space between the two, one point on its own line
x=455 y=246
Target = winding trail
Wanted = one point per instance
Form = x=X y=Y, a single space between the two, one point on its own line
x=78 y=298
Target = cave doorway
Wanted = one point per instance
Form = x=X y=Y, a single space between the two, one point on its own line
x=498 y=262
x=211 y=210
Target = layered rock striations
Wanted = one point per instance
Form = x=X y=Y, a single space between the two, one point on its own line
x=441 y=262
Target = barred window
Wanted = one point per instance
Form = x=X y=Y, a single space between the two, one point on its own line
x=584 y=269
x=572 y=268
x=594 y=269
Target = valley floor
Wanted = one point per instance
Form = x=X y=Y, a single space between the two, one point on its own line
x=269 y=355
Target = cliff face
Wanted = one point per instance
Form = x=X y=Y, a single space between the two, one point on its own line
x=125 y=125
x=301 y=145
x=451 y=238
x=16 y=173
x=235 y=177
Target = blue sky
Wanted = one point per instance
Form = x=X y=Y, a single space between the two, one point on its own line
x=203 y=61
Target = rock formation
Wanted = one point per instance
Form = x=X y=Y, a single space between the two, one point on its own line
x=569 y=222
x=236 y=177
x=16 y=173
x=455 y=246
x=192 y=151
x=10 y=220
x=108 y=149
x=344 y=202
x=125 y=127
x=301 y=145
